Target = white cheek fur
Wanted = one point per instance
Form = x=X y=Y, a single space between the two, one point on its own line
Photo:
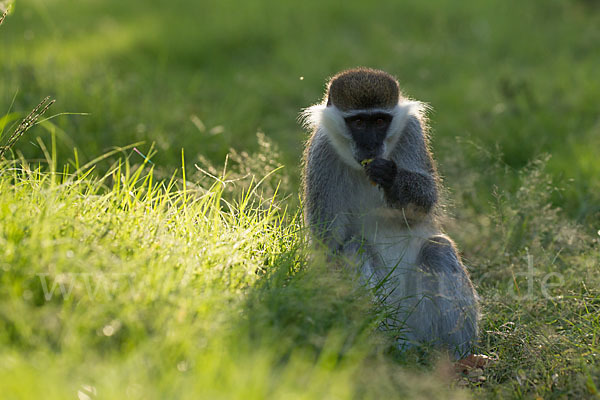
x=331 y=121
x=335 y=127
x=402 y=111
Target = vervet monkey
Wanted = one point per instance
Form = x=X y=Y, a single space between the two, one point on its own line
x=370 y=195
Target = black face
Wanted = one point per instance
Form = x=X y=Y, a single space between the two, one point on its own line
x=368 y=131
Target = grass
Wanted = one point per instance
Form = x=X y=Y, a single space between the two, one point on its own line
x=151 y=288
x=189 y=277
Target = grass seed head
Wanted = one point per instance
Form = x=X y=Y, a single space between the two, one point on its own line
x=27 y=123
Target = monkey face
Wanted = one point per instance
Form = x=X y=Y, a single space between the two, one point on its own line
x=368 y=131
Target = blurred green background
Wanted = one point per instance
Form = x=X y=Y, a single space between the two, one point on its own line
x=508 y=78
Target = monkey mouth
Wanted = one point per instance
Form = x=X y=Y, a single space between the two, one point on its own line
x=366 y=156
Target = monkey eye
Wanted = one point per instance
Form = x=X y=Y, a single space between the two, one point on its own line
x=380 y=122
x=359 y=123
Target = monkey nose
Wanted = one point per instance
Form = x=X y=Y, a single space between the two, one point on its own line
x=370 y=152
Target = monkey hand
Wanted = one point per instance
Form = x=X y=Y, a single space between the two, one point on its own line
x=382 y=172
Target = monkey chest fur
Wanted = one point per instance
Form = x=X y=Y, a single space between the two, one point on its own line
x=393 y=236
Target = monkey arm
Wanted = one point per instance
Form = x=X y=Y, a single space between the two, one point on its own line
x=327 y=231
x=412 y=188
x=402 y=187
x=415 y=181
x=325 y=192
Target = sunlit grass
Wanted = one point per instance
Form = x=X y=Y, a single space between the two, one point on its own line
x=130 y=284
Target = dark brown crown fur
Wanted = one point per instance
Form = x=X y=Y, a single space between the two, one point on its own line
x=362 y=88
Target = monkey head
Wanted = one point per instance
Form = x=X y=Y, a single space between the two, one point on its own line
x=363 y=115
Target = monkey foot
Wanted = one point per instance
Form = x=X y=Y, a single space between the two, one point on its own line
x=469 y=370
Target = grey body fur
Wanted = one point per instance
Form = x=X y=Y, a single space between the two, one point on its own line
x=391 y=235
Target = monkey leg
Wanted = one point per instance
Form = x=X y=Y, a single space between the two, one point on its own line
x=444 y=303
